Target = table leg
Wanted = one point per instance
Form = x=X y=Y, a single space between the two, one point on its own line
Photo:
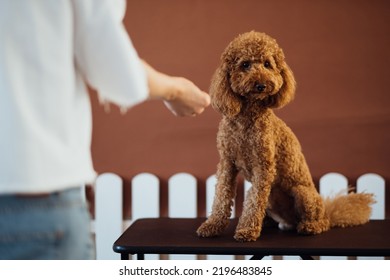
x=140 y=256
x=257 y=257
x=124 y=256
x=307 y=258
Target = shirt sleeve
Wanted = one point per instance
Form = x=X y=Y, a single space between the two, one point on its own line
x=105 y=54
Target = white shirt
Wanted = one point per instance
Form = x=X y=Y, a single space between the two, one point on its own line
x=49 y=50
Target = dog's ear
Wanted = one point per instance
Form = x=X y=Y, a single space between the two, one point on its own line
x=222 y=97
x=287 y=91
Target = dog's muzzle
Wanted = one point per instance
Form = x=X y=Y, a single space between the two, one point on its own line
x=259 y=87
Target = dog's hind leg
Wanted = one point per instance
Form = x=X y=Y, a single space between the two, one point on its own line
x=310 y=210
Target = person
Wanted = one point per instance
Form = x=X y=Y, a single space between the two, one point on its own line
x=49 y=52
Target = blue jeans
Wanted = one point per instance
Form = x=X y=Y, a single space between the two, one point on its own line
x=56 y=226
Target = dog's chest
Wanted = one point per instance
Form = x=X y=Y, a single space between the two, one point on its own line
x=244 y=142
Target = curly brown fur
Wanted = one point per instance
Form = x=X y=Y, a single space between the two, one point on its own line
x=252 y=79
x=342 y=209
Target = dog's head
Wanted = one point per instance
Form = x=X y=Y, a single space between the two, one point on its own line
x=252 y=69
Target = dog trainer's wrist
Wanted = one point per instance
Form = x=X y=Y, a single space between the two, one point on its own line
x=161 y=86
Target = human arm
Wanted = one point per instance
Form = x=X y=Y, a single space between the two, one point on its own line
x=181 y=96
x=110 y=64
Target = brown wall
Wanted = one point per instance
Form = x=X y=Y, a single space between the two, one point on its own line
x=338 y=50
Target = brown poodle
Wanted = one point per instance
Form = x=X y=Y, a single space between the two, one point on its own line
x=252 y=79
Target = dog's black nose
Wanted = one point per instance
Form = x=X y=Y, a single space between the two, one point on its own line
x=260 y=87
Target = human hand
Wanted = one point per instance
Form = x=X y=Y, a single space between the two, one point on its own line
x=188 y=99
x=180 y=95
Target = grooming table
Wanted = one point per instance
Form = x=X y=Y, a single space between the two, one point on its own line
x=178 y=236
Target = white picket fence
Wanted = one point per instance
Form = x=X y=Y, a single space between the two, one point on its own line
x=182 y=196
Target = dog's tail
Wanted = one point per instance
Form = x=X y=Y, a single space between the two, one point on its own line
x=349 y=210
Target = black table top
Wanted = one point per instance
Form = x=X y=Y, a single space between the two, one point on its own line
x=178 y=236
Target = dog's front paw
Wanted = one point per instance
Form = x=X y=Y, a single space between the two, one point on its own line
x=212 y=227
x=246 y=235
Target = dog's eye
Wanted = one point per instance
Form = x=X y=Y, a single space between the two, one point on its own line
x=246 y=65
x=267 y=64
